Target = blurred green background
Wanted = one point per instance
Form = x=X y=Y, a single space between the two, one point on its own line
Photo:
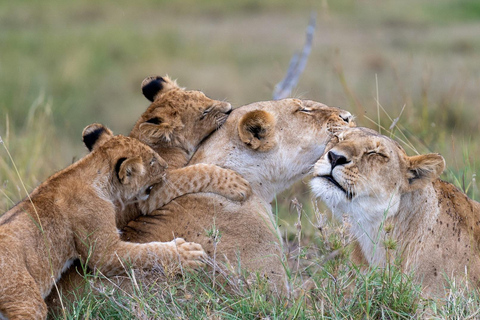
x=66 y=64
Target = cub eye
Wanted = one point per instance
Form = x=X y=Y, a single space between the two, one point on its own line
x=149 y=189
x=205 y=112
x=152 y=162
x=155 y=120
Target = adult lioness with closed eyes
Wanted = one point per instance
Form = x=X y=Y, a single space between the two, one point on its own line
x=387 y=194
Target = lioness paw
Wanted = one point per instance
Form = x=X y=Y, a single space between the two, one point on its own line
x=190 y=253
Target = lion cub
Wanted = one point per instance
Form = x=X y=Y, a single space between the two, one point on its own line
x=174 y=125
x=389 y=195
x=72 y=215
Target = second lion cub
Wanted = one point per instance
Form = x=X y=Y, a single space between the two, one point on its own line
x=72 y=215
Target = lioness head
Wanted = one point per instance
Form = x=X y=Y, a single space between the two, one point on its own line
x=273 y=143
x=135 y=166
x=177 y=117
x=364 y=174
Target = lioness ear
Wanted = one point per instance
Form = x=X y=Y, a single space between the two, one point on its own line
x=95 y=135
x=424 y=169
x=127 y=168
x=257 y=130
x=156 y=85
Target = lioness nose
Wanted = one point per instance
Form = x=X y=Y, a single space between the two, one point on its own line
x=336 y=159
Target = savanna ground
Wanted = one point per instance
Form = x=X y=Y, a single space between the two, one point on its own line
x=64 y=65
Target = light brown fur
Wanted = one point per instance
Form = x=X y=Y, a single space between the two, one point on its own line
x=271 y=144
x=389 y=195
x=174 y=124
x=72 y=215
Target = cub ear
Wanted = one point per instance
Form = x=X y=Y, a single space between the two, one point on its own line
x=95 y=135
x=257 y=130
x=424 y=169
x=156 y=85
x=128 y=168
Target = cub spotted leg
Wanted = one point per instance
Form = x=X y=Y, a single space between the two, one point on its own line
x=146 y=256
x=197 y=178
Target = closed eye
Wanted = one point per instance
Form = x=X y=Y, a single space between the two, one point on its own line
x=305 y=110
x=205 y=112
x=376 y=153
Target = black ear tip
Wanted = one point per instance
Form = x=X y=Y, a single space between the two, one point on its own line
x=151 y=86
x=91 y=136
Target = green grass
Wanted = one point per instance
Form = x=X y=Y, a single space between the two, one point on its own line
x=64 y=65
x=327 y=285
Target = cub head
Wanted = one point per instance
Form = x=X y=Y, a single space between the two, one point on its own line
x=273 y=143
x=134 y=167
x=177 y=117
x=365 y=173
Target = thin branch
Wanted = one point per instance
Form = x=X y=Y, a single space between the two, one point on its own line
x=284 y=88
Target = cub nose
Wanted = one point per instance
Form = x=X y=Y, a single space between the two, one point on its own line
x=226 y=107
x=336 y=159
x=346 y=116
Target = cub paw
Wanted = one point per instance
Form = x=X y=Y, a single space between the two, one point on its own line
x=190 y=253
x=238 y=189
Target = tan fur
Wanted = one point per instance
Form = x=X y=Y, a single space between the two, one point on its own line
x=186 y=118
x=389 y=195
x=72 y=215
x=173 y=125
x=298 y=132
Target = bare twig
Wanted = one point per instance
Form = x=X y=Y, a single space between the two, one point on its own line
x=284 y=88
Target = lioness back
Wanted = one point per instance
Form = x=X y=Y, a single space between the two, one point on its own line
x=72 y=215
x=370 y=178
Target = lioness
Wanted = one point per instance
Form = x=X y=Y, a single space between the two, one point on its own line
x=72 y=215
x=271 y=144
x=387 y=194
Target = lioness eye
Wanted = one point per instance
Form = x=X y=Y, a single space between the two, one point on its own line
x=306 y=110
x=376 y=153
x=155 y=120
